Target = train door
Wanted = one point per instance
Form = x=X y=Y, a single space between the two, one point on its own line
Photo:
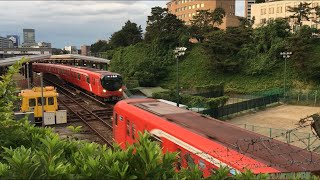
x=38 y=108
x=119 y=129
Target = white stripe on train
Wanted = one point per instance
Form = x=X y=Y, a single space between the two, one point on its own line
x=193 y=150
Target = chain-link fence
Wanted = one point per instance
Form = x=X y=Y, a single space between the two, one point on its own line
x=303 y=140
x=303 y=97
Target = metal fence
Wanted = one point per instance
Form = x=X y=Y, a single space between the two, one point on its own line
x=238 y=103
x=307 y=141
x=303 y=97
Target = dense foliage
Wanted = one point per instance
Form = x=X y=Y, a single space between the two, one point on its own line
x=129 y=34
x=100 y=46
x=227 y=56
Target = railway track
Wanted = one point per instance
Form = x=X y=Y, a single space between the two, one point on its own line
x=81 y=108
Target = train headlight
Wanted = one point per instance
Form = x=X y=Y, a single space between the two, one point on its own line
x=120 y=89
x=104 y=91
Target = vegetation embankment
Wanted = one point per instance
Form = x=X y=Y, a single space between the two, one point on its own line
x=245 y=59
x=29 y=152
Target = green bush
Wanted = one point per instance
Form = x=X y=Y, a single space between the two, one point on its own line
x=191 y=100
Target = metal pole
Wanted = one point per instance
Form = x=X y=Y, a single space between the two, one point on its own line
x=28 y=78
x=178 y=97
x=42 y=99
x=284 y=86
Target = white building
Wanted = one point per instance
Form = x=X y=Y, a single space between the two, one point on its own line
x=265 y=12
x=71 y=49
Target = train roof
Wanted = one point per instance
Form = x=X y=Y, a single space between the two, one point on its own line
x=48 y=91
x=275 y=153
x=98 y=71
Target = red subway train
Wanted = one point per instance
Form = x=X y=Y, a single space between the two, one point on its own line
x=104 y=84
x=207 y=142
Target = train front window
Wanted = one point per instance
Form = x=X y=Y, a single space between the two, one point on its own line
x=32 y=102
x=50 y=101
x=111 y=82
x=87 y=79
x=39 y=101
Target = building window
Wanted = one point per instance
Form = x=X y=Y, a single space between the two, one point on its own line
x=263 y=21
x=189 y=15
x=189 y=7
x=202 y=5
x=193 y=6
x=271 y=10
x=193 y=14
x=198 y=5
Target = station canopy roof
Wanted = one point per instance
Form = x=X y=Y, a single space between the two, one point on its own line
x=35 y=58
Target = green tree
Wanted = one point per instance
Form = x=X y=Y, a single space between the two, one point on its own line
x=301 y=12
x=164 y=28
x=130 y=34
x=217 y=16
x=201 y=24
x=100 y=46
x=245 y=23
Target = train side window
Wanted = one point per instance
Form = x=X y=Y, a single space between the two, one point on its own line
x=155 y=138
x=128 y=127
x=39 y=101
x=202 y=164
x=50 y=100
x=133 y=130
x=79 y=76
x=179 y=160
x=116 y=119
x=32 y=102
x=88 y=79
x=189 y=159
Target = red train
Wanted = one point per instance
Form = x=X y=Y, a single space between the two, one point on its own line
x=105 y=84
x=207 y=142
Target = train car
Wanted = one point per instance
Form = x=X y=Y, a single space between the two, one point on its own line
x=205 y=141
x=31 y=101
x=104 y=84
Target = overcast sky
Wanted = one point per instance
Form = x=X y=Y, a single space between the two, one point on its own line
x=75 y=22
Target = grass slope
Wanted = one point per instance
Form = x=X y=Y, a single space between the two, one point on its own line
x=194 y=70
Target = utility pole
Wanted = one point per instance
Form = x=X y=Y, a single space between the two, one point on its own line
x=285 y=55
x=42 y=98
x=179 y=51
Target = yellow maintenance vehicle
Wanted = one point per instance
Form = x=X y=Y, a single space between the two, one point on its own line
x=31 y=101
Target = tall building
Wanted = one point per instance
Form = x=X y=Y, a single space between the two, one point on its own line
x=29 y=36
x=264 y=12
x=4 y=42
x=186 y=9
x=247 y=8
x=85 y=50
x=15 y=40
